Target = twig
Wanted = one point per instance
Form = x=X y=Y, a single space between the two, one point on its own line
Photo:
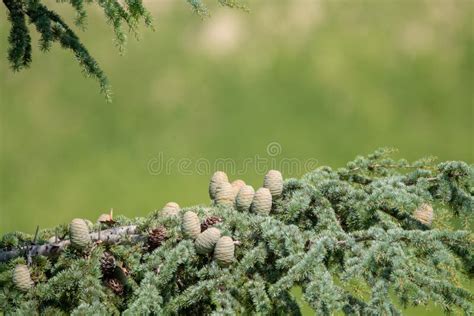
x=109 y=236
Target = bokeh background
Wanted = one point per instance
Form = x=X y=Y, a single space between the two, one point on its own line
x=325 y=80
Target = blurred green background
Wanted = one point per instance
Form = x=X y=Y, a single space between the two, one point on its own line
x=325 y=80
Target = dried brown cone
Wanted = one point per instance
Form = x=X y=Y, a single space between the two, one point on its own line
x=107 y=264
x=424 y=213
x=156 y=237
x=115 y=285
x=210 y=221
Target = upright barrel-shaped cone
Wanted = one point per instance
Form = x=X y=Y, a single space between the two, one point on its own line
x=225 y=194
x=79 y=233
x=262 y=201
x=274 y=182
x=237 y=185
x=191 y=225
x=224 y=251
x=22 y=278
x=217 y=178
x=244 y=198
x=206 y=240
x=424 y=213
x=170 y=209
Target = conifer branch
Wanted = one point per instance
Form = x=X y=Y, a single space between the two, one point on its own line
x=357 y=248
x=52 y=28
x=53 y=248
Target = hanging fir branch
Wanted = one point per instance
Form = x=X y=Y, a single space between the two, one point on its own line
x=366 y=247
x=52 y=28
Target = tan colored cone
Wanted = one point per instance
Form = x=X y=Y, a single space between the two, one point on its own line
x=424 y=213
x=262 y=201
x=225 y=194
x=79 y=233
x=237 y=185
x=170 y=209
x=22 y=278
x=206 y=240
x=224 y=251
x=244 y=198
x=217 y=178
x=274 y=182
x=191 y=225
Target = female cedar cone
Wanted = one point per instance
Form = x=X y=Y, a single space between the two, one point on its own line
x=156 y=237
x=244 y=198
x=170 y=209
x=217 y=178
x=79 y=233
x=191 y=225
x=262 y=201
x=237 y=185
x=206 y=240
x=274 y=182
x=107 y=263
x=225 y=194
x=424 y=214
x=22 y=278
x=107 y=218
x=115 y=285
x=224 y=251
x=210 y=221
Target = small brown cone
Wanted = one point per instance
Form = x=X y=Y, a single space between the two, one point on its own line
x=424 y=213
x=274 y=182
x=116 y=286
x=107 y=218
x=170 y=209
x=224 y=251
x=107 y=264
x=217 y=178
x=225 y=194
x=210 y=221
x=156 y=237
x=79 y=233
x=191 y=225
x=206 y=240
x=262 y=201
x=22 y=278
x=244 y=198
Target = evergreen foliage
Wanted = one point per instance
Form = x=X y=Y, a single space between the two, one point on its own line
x=52 y=28
x=348 y=237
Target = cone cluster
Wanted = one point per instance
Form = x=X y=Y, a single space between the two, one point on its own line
x=208 y=239
x=243 y=197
